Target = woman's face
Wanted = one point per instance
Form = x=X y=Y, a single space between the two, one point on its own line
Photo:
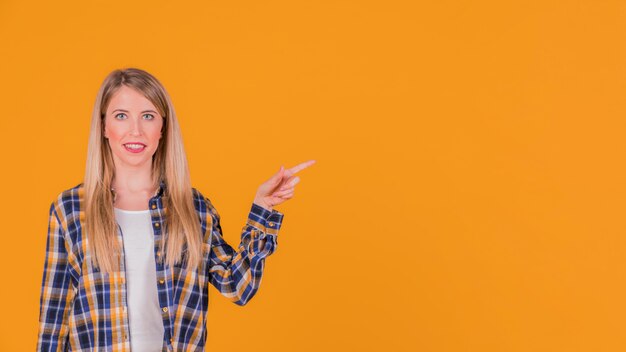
x=133 y=128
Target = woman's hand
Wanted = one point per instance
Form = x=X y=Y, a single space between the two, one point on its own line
x=279 y=187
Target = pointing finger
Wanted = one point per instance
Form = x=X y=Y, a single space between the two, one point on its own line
x=301 y=166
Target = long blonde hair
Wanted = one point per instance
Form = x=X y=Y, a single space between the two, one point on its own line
x=169 y=164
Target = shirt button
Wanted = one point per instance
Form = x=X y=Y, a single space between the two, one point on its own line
x=157 y=224
x=161 y=281
x=158 y=253
x=271 y=224
x=153 y=206
x=164 y=309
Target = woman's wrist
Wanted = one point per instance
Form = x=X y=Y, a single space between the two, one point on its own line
x=262 y=204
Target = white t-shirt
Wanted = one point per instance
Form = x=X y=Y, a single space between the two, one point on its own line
x=144 y=312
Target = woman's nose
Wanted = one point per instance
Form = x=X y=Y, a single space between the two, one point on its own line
x=135 y=129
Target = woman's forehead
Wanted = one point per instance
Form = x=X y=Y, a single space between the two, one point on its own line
x=129 y=99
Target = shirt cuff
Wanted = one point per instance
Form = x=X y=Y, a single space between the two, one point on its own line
x=264 y=220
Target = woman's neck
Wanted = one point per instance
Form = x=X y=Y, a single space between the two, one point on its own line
x=133 y=179
x=133 y=188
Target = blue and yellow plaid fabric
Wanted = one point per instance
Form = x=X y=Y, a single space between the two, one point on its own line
x=85 y=310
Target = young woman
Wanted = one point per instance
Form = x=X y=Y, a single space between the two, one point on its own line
x=131 y=250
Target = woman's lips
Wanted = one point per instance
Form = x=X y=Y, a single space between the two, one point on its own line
x=135 y=147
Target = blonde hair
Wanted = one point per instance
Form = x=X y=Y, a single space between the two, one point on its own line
x=169 y=164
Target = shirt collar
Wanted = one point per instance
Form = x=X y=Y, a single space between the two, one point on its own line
x=161 y=190
x=158 y=194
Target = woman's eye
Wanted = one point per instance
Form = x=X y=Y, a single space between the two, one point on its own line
x=151 y=116
x=119 y=115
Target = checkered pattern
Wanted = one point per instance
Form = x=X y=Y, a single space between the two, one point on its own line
x=82 y=309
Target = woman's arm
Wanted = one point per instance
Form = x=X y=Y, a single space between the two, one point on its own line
x=237 y=274
x=56 y=292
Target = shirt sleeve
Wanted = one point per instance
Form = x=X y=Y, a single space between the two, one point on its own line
x=237 y=274
x=56 y=292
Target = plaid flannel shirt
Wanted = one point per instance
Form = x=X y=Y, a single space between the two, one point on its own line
x=82 y=309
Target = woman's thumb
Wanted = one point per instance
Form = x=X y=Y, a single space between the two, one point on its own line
x=277 y=177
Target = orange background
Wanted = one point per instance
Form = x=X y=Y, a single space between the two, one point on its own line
x=469 y=186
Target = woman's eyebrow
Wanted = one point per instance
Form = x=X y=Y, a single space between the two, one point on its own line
x=127 y=111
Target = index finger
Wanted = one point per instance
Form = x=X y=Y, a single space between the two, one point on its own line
x=301 y=166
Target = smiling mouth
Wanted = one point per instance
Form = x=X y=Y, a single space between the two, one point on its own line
x=135 y=147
